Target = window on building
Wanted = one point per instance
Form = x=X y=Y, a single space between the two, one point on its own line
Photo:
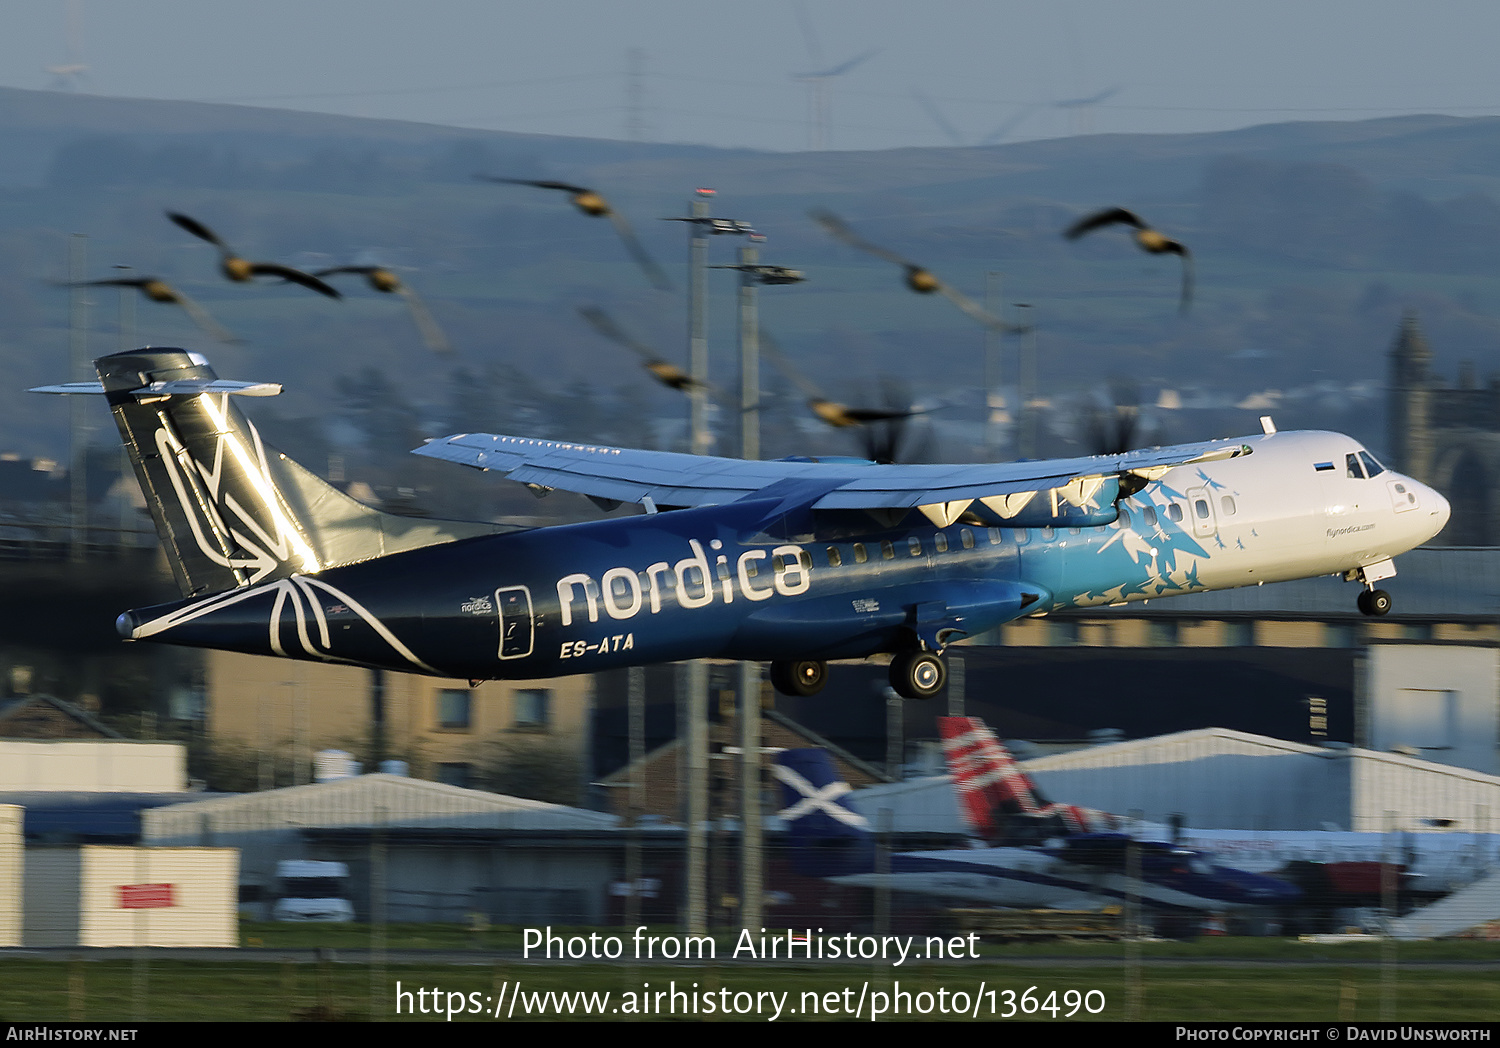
x=454 y=709
x=456 y=774
x=1239 y=633
x=533 y=707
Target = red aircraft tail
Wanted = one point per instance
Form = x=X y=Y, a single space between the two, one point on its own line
x=993 y=790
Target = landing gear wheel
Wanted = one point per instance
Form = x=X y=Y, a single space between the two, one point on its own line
x=1374 y=602
x=803 y=677
x=918 y=674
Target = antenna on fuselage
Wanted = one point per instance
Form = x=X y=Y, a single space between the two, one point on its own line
x=1267 y=426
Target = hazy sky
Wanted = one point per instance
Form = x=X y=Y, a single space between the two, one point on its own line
x=723 y=73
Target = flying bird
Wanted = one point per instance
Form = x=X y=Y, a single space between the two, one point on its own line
x=919 y=279
x=593 y=204
x=383 y=280
x=158 y=290
x=669 y=375
x=1150 y=240
x=241 y=270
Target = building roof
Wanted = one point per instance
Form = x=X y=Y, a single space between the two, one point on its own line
x=1215 y=770
x=365 y=800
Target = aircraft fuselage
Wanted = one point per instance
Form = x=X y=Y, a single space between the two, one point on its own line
x=759 y=579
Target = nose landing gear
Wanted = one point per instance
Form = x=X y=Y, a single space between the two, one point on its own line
x=1374 y=602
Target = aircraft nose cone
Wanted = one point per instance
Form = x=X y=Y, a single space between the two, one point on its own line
x=1440 y=512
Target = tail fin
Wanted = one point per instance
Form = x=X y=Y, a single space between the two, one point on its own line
x=230 y=510
x=829 y=837
x=997 y=797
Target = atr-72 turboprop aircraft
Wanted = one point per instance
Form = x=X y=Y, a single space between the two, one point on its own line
x=793 y=562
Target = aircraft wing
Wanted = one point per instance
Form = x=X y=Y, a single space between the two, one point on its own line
x=673 y=479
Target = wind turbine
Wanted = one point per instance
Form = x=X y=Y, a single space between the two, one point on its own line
x=1080 y=117
x=66 y=77
x=817 y=82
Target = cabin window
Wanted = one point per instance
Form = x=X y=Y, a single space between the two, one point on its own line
x=887 y=550
x=1123 y=520
x=1048 y=534
x=968 y=538
x=834 y=559
x=1175 y=512
x=860 y=556
x=1075 y=531
x=994 y=536
x=749 y=567
x=940 y=542
x=1150 y=514
x=1023 y=536
x=1200 y=507
x=1227 y=502
x=804 y=560
x=915 y=544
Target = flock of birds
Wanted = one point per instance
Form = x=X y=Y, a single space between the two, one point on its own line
x=590 y=202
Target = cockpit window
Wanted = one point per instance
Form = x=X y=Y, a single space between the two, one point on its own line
x=1352 y=468
x=1372 y=466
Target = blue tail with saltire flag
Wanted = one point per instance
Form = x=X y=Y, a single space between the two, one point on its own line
x=830 y=838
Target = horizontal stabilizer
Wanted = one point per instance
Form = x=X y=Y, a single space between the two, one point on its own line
x=179 y=388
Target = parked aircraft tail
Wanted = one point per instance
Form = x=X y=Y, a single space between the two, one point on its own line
x=829 y=837
x=232 y=511
x=998 y=799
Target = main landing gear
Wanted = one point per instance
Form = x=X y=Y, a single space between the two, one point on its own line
x=802 y=677
x=917 y=674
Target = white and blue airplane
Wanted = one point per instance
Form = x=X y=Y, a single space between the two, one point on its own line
x=792 y=562
x=1085 y=871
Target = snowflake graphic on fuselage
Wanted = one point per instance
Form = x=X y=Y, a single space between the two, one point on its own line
x=1160 y=558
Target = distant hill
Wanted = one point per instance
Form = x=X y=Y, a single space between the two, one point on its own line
x=1309 y=238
